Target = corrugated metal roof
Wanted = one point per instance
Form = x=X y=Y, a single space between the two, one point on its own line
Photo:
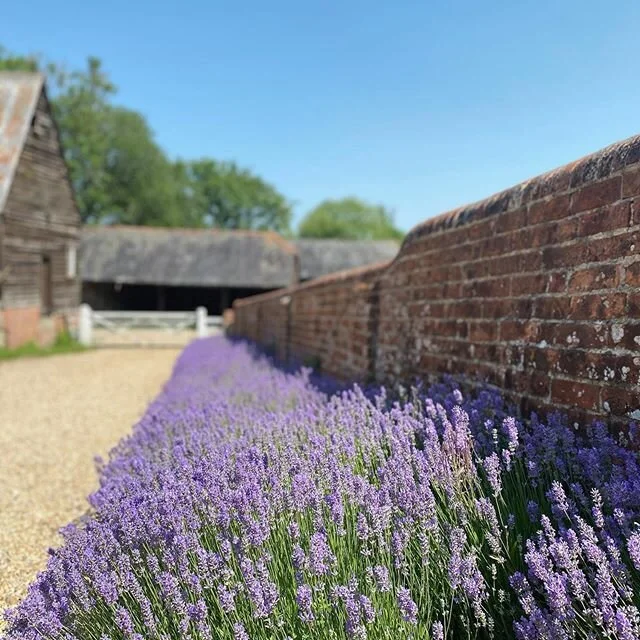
x=19 y=93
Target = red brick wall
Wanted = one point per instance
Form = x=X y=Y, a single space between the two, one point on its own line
x=25 y=324
x=328 y=322
x=264 y=320
x=21 y=325
x=535 y=290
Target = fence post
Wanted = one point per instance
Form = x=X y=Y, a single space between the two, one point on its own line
x=85 y=328
x=201 y=322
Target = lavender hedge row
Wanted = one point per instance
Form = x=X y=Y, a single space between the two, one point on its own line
x=248 y=504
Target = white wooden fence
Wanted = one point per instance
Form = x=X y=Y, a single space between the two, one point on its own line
x=139 y=328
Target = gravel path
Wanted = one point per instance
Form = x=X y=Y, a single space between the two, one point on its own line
x=56 y=414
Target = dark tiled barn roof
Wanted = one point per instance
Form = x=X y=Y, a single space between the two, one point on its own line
x=186 y=257
x=214 y=258
x=320 y=257
x=19 y=93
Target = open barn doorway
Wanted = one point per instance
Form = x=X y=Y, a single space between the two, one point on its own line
x=141 y=297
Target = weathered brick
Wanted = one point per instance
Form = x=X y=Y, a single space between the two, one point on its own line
x=481 y=229
x=530 y=261
x=499 y=266
x=594 y=278
x=497 y=245
x=497 y=308
x=568 y=229
x=630 y=338
x=596 y=194
x=618 y=401
x=452 y=290
x=578 y=394
x=585 y=251
x=522 y=307
x=513 y=355
x=519 y=330
x=512 y=220
x=539 y=383
x=572 y=362
x=465 y=309
x=632 y=275
x=463 y=329
x=608 y=367
x=597 y=306
x=528 y=284
x=541 y=236
x=580 y=335
x=631 y=182
x=552 y=307
x=557 y=281
x=484 y=351
x=483 y=331
x=562 y=257
x=551 y=209
x=609 y=218
x=540 y=358
x=493 y=288
x=516 y=380
x=550 y=183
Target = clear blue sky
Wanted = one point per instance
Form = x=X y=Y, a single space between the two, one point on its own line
x=422 y=105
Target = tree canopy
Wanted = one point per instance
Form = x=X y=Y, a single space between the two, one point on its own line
x=225 y=196
x=351 y=219
x=120 y=173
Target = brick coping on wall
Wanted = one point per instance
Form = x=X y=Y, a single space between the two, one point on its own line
x=590 y=168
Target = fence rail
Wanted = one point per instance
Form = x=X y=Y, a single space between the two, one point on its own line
x=122 y=325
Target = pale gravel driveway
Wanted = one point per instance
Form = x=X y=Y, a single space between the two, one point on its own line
x=56 y=414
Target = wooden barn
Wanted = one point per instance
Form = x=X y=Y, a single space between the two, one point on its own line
x=153 y=268
x=39 y=219
x=147 y=268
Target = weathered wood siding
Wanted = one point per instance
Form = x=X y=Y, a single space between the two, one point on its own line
x=40 y=219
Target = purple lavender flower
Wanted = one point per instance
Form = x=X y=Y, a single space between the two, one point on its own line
x=303 y=599
x=408 y=608
x=491 y=465
x=226 y=597
x=294 y=530
x=381 y=576
x=633 y=546
x=243 y=486
x=437 y=631
x=533 y=511
x=321 y=558
x=239 y=632
x=124 y=622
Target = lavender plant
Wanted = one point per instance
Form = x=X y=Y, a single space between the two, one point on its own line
x=248 y=504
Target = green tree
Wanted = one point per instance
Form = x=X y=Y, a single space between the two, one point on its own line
x=120 y=174
x=141 y=183
x=225 y=196
x=82 y=107
x=12 y=62
x=351 y=219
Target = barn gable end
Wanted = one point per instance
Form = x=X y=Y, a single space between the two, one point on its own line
x=39 y=219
